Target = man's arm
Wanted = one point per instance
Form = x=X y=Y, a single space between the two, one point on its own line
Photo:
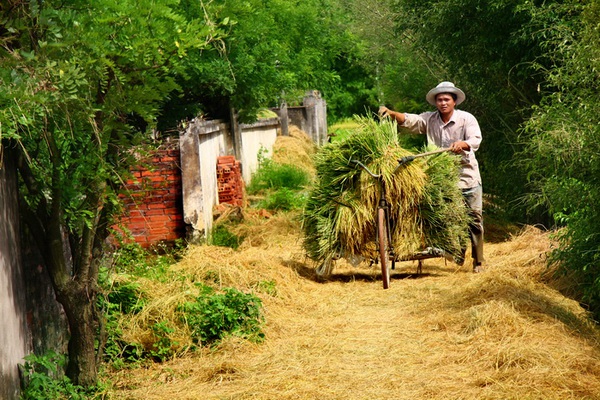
x=386 y=112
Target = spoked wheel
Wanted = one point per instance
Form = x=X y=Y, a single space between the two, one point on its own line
x=383 y=247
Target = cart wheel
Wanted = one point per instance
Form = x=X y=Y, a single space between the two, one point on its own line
x=383 y=247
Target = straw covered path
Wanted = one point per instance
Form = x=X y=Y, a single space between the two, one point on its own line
x=446 y=334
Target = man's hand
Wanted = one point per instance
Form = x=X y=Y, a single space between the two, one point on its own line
x=459 y=146
x=384 y=112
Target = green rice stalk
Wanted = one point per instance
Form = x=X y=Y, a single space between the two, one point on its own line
x=339 y=218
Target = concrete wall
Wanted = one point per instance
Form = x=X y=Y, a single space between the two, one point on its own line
x=255 y=137
x=202 y=142
x=310 y=117
x=200 y=145
x=14 y=340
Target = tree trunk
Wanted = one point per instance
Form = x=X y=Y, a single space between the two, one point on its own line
x=79 y=302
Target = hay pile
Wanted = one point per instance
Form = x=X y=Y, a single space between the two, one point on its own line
x=427 y=208
x=296 y=149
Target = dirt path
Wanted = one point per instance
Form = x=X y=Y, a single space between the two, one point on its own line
x=447 y=334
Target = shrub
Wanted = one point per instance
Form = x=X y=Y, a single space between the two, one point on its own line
x=212 y=316
x=163 y=347
x=283 y=199
x=222 y=236
x=121 y=298
x=44 y=379
x=271 y=175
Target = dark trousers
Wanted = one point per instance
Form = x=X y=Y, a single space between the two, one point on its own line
x=474 y=200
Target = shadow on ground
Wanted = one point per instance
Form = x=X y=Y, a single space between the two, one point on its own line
x=308 y=272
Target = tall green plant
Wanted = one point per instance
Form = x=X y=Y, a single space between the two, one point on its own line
x=212 y=316
x=281 y=184
x=562 y=143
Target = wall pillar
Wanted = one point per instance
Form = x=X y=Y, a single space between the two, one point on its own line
x=316 y=116
x=284 y=120
x=191 y=183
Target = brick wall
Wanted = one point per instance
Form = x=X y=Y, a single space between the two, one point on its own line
x=229 y=181
x=153 y=199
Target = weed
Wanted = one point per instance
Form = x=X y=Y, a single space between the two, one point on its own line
x=283 y=199
x=271 y=175
x=128 y=297
x=122 y=298
x=212 y=316
x=268 y=287
x=163 y=347
x=44 y=379
x=281 y=185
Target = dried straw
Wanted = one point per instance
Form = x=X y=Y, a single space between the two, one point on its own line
x=450 y=334
x=296 y=149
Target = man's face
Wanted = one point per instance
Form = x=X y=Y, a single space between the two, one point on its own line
x=445 y=103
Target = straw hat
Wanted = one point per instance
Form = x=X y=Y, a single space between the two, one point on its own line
x=445 y=87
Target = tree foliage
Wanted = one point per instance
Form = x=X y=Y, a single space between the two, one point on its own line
x=81 y=83
x=272 y=51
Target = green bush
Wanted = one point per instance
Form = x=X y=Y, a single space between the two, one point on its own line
x=127 y=296
x=44 y=379
x=212 y=316
x=163 y=347
x=283 y=199
x=222 y=236
x=281 y=185
x=131 y=258
x=122 y=298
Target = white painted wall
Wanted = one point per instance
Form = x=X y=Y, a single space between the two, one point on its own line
x=211 y=147
x=253 y=140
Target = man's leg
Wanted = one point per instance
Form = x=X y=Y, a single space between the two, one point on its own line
x=474 y=200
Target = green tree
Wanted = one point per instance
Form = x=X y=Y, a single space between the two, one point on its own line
x=82 y=82
x=276 y=50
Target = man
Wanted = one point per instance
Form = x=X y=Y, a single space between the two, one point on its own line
x=459 y=131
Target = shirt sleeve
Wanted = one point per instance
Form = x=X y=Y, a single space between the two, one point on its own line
x=472 y=132
x=415 y=122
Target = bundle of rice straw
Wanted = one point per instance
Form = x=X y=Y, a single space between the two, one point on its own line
x=427 y=208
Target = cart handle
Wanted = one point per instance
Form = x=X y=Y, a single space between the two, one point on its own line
x=407 y=159
x=376 y=176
